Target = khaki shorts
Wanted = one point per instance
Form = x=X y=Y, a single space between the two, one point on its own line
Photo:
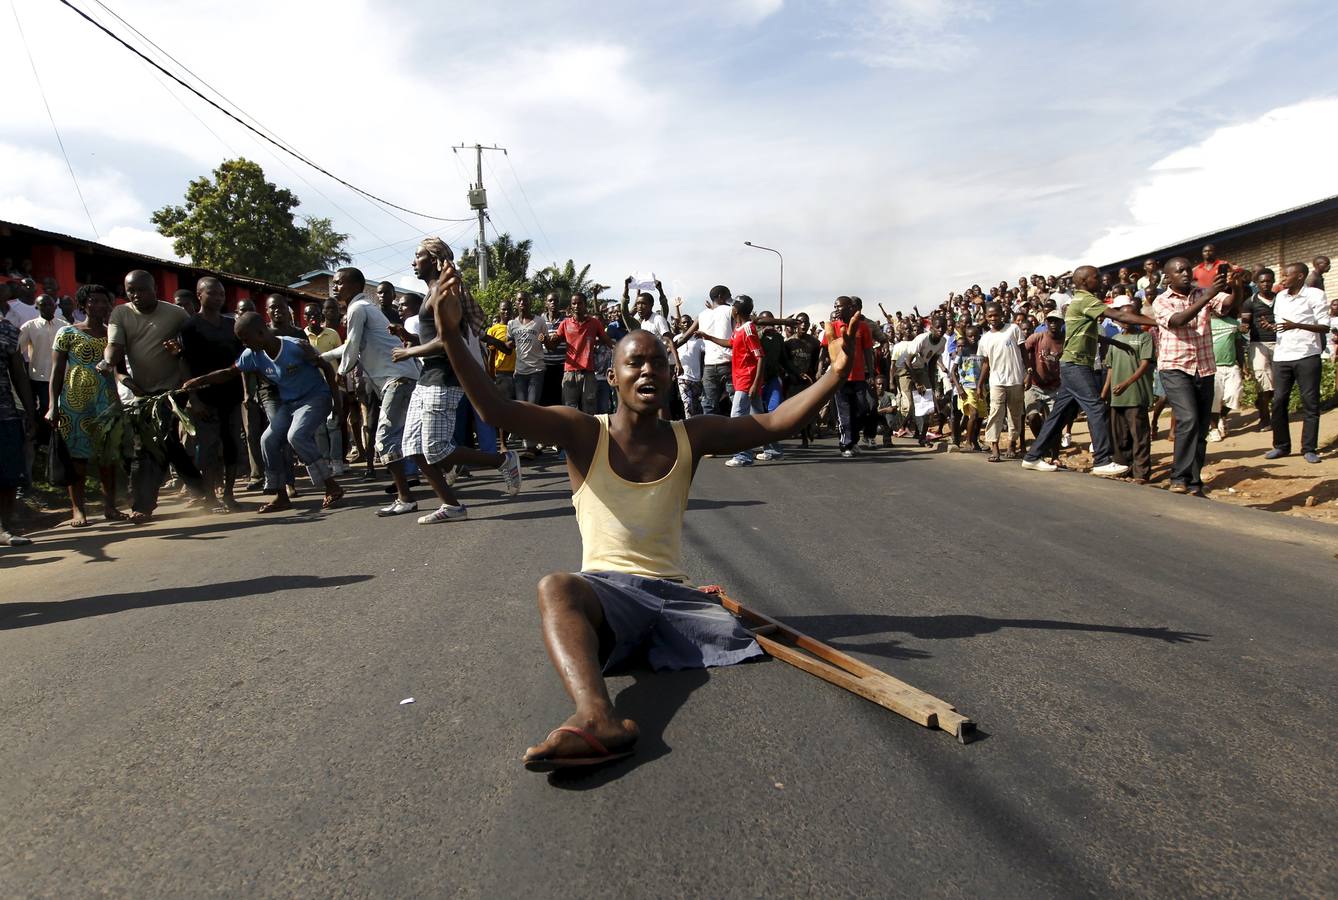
x=1227 y=386
x=1261 y=362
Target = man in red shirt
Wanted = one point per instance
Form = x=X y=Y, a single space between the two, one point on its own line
x=581 y=331
x=745 y=348
x=852 y=399
x=1205 y=273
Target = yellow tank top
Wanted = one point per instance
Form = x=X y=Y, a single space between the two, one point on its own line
x=633 y=527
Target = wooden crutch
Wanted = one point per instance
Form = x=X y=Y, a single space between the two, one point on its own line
x=829 y=664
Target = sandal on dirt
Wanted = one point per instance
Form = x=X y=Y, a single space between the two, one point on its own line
x=599 y=754
x=994 y=457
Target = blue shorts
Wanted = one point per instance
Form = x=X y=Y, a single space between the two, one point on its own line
x=678 y=626
x=13 y=469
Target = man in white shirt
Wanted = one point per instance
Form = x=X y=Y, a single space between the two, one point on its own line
x=1002 y=369
x=644 y=316
x=22 y=308
x=1303 y=321
x=35 y=339
x=370 y=342
x=691 y=354
x=717 y=320
x=409 y=305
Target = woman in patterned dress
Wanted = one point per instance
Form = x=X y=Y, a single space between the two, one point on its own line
x=78 y=394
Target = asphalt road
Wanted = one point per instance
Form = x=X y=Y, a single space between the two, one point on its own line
x=212 y=706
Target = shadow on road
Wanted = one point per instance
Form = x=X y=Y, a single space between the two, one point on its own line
x=952 y=627
x=26 y=615
x=651 y=701
x=94 y=545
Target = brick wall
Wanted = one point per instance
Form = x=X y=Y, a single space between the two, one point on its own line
x=1299 y=241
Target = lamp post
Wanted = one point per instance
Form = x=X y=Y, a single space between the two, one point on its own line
x=781 y=313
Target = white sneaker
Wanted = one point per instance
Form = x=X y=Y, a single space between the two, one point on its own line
x=1065 y=442
x=1214 y=436
x=450 y=476
x=1110 y=470
x=13 y=540
x=848 y=454
x=444 y=514
x=398 y=508
x=510 y=469
x=768 y=456
x=1039 y=465
x=738 y=462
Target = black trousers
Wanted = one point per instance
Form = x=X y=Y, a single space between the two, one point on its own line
x=1304 y=373
x=1131 y=439
x=851 y=405
x=1191 y=397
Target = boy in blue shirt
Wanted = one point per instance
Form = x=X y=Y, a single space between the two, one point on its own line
x=307 y=393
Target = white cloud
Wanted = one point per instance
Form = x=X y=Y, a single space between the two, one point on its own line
x=141 y=240
x=1281 y=159
x=907 y=34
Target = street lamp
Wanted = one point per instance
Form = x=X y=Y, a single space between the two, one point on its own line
x=781 y=314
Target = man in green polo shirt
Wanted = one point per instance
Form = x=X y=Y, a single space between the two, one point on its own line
x=1080 y=384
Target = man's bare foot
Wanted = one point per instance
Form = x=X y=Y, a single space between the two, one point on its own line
x=564 y=746
x=78 y=520
x=230 y=504
x=112 y=514
x=278 y=504
x=333 y=494
x=140 y=518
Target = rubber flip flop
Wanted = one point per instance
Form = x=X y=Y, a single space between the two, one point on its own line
x=994 y=459
x=600 y=756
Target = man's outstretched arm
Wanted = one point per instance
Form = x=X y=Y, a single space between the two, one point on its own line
x=717 y=434
x=548 y=424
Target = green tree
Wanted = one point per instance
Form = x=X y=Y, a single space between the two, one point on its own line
x=499 y=288
x=238 y=222
x=565 y=280
x=506 y=258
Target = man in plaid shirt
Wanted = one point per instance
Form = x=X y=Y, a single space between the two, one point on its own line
x=1186 y=362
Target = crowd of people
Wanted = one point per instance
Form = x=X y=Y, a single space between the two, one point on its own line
x=335 y=388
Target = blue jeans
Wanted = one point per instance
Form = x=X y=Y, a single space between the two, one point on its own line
x=294 y=424
x=745 y=404
x=271 y=407
x=773 y=395
x=466 y=420
x=1079 y=391
x=530 y=389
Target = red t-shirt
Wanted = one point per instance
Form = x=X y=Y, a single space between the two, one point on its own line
x=746 y=347
x=1205 y=273
x=580 y=338
x=863 y=342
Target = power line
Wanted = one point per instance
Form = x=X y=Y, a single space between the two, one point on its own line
x=516 y=177
x=505 y=195
x=298 y=156
x=455 y=236
x=42 y=91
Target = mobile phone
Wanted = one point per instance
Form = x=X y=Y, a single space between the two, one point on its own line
x=1223 y=268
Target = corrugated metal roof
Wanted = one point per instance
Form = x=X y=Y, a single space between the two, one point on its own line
x=86 y=246
x=1179 y=248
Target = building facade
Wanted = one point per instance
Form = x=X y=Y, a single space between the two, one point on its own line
x=1294 y=235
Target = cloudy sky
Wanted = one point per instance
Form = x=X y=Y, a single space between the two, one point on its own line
x=891 y=148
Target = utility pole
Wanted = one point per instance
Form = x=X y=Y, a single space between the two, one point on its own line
x=478 y=199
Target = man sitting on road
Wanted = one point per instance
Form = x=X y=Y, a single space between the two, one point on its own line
x=631 y=472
